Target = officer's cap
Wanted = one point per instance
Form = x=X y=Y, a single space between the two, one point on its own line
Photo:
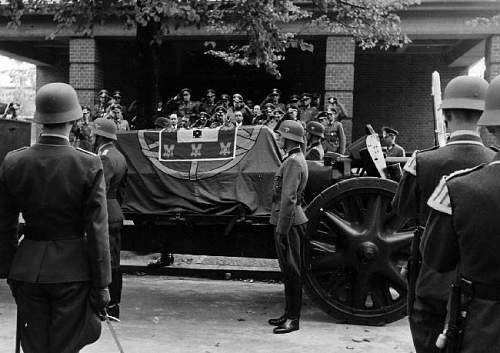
x=306 y=96
x=117 y=94
x=269 y=105
x=224 y=96
x=275 y=92
x=390 y=131
x=188 y=90
x=210 y=91
x=238 y=97
x=220 y=108
x=294 y=98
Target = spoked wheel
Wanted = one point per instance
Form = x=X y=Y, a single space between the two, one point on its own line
x=354 y=252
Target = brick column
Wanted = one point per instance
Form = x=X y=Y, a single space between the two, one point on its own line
x=492 y=57
x=339 y=75
x=492 y=61
x=85 y=72
x=49 y=74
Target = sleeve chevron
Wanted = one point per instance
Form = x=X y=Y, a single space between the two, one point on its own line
x=440 y=198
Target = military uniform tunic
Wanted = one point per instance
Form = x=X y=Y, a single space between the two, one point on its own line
x=289 y=220
x=395 y=151
x=60 y=192
x=315 y=152
x=335 y=140
x=421 y=175
x=463 y=231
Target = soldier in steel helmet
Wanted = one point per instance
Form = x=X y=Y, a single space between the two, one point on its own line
x=315 y=132
x=463 y=103
x=115 y=176
x=462 y=233
x=60 y=270
x=289 y=220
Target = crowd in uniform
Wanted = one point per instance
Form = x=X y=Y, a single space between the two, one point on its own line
x=60 y=272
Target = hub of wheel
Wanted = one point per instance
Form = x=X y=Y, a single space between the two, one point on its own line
x=367 y=252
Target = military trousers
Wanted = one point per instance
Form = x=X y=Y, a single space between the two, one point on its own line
x=55 y=318
x=115 y=245
x=288 y=249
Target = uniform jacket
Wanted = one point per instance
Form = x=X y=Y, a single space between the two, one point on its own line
x=395 y=151
x=315 y=152
x=115 y=172
x=288 y=187
x=463 y=231
x=308 y=114
x=61 y=193
x=425 y=168
x=420 y=177
x=335 y=140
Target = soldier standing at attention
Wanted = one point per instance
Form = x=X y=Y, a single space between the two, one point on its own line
x=61 y=269
x=428 y=290
x=462 y=232
x=315 y=133
x=290 y=221
x=389 y=140
x=115 y=173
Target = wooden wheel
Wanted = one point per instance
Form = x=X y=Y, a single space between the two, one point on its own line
x=354 y=251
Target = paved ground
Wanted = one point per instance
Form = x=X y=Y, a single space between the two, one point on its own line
x=184 y=315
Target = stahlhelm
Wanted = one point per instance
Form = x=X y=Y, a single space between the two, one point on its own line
x=465 y=92
x=105 y=127
x=315 y=128
x=57 y=103
x=292 y=130
x=491 y=114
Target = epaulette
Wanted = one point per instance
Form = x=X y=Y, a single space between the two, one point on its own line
x=462 y=172
x=428 y=149
x=85 y=151
x=19 y=149
x=495 y=148
x=440 y=198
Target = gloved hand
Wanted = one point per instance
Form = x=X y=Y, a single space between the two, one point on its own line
x=99 y=298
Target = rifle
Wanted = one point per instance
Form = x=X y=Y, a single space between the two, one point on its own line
x=414 y=264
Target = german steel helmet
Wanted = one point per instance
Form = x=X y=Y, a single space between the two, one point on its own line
x=57 y=103
x=315 y=128
x=465 y=92
x=292 y=130
x=491 y=114
x=105 y=127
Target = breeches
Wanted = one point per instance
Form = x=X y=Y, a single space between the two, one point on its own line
x=55 y=318
x=288 y=250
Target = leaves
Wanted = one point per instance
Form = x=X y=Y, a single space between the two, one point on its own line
x=264 y=24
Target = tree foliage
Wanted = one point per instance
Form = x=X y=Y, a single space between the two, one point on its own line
x=262 y=23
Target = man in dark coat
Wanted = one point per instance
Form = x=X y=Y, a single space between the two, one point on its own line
x=61 y=268
x=389 y=141
x=462 y=106
x=462 y=232
x=115 y=173
x=289 y=220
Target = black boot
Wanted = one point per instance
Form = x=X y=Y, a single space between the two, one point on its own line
x=113 y=310
x=278 y=321
x=288 y=326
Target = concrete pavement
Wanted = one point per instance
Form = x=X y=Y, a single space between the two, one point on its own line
x=170 y=314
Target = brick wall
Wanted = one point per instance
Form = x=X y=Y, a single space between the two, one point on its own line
x=85 y=72
x=339 y=74
x=395 y=90
x=492 y=61
x=49 y=74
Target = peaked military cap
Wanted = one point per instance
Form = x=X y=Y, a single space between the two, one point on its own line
x=390 y=131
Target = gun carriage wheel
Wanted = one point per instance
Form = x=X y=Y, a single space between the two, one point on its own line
x=355 y=250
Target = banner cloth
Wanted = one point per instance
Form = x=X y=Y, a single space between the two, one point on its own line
x=216 y=187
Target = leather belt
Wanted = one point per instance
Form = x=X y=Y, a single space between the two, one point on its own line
x=480 y=290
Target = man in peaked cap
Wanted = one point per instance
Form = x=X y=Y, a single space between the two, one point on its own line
x=307 y=112
x=115 y=176
x=455 y=239
x=389 y=140
x=289 y=220
x=315 y=132
x=60 y=271
x=463 y=103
